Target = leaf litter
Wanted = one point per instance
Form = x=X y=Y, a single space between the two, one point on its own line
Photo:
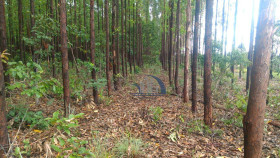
x=178 y=133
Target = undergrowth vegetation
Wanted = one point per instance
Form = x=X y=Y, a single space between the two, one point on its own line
x=67 y=140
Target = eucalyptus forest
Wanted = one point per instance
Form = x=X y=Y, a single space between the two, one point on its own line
x=139 y=78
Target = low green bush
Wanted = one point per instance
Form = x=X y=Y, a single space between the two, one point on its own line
x=129 y=147
x=29 y=119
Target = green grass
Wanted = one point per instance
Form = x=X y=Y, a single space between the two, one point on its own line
x=129 y=147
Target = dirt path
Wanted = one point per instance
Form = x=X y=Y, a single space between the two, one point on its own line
x=131 y=115
x=178 y=133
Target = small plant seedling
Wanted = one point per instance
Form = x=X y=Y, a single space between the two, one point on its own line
x=157 y=113
x=62 y=145
x=26 y=151
x=129 y=147
x=197 y=126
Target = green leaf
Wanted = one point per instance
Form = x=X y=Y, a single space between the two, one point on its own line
x=55 y=148
x=79 y=115
x=61 y=141
x=67 y=131
x=71 y=125
x=19 y=74
x=56 y=114
x=71 y=116
x=17 y=150
x=82 y=150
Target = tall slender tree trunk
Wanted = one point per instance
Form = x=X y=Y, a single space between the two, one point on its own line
x=20 y=20
x=85 y=25
x=140 y=36
x=234 y=37
x=57 y=18
x=122 y=40
x=76 y=37
x=129 y=37
x=178 y=52
x=92 y=51
x=141 y=44
x=98 y=15
x=125 y=37
x=234 y=27
x=147 y=34
x=53 y=42
x=113 y=48
x=187 y=51
x=4 y=144
x=182 y=45
x=195 y=54
x=32 y=22
x=99 y=24
x=103 y=19
x=226 y=35
x=207 y=64
x=117 y=46
x=163 y=38
x=171 y=4
x=134 y=36
x=215 y=35
x=107 y=47
x=64 y=51
x=137 y=37
x=11 y=32
x=166 y=45
x=5 y=65
x=147 y=10
x=200 y=35
x=253 y=123
x=223 y=24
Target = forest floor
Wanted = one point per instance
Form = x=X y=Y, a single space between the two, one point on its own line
x=177 y=133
